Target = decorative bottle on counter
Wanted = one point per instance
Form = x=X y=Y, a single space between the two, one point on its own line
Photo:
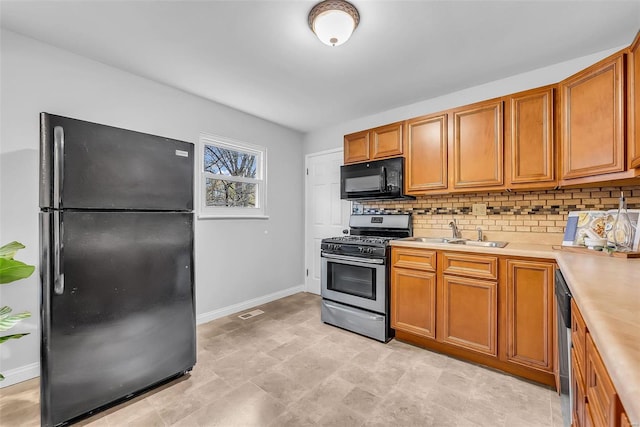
x=622 y=228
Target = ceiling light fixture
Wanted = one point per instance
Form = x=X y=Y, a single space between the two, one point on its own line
x=333 y=21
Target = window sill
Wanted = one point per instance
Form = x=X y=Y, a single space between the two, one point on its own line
x=230 y=216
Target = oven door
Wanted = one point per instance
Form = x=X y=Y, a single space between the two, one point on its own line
x=359 y=282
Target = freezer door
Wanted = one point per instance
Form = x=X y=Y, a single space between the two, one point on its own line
x=117 y=311
x=86 y=165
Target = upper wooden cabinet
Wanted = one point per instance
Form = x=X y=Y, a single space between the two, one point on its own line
x=592 y=120
x=633 y=104
x=529 y=136
x=478 y=145
x=426 y=154
x=373 y=144
x=529 y=317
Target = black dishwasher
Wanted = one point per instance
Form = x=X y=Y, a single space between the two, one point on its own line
x=563 y=299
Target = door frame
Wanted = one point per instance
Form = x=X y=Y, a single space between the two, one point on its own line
x=307 y=255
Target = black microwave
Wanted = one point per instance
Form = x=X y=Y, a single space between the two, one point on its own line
x=382 y=179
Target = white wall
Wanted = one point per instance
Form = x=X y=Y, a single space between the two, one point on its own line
x=237 y=261
x=332 y=137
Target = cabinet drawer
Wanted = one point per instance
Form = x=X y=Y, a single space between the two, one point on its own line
x=601 y=394
x=415 y=259
x=475 y=266
x=578 y=335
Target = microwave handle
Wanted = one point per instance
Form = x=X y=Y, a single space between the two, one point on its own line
x=383 y=178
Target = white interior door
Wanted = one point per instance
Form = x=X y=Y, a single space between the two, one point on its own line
x=325 y=214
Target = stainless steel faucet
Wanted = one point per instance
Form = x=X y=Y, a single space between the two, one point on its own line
x=479 y=230
x=454 y=229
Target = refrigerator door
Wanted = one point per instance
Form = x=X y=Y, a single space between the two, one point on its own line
x=91 y=166
x=118 y=311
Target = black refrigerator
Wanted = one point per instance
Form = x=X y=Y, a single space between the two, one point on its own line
x=116 y=265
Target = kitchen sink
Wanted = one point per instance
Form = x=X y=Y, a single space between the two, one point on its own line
x=426 y=239
x=486 y=243
x=451 y=241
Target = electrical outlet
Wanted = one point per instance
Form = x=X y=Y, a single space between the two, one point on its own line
x=479 y=209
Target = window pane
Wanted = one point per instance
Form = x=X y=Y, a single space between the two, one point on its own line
x=222 y=161
x=221 y=193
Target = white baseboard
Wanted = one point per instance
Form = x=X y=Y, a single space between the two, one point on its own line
x=23 y=373
x=225 y=311
x=32 y=370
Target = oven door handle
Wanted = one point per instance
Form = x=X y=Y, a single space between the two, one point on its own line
x=354 y=259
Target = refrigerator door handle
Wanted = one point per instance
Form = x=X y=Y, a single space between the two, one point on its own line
x=58 y=165
x=58 y=274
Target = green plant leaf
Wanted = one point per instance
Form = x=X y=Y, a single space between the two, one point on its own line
x=4 y=310
x=7 y=321
x=12 y=337
x=9 y=250
x=1 y=377
x=12 y=270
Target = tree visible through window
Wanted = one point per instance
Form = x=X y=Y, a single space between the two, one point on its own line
x=233 y=182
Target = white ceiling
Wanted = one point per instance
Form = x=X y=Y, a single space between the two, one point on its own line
x=260 y=56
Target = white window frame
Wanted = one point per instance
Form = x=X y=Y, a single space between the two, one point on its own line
x=220 y=212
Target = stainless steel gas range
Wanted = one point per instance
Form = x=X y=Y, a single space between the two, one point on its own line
x=355 y=274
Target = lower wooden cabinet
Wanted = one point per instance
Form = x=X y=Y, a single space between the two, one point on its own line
x=413 y=302
x=595 y=400
x=493 y=310
x=413 y=291
x=601 y=394
x=529 y=313
x=469 y=314
x=578 y=393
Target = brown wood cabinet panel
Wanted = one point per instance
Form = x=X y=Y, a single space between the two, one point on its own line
x=601 y=394
x=427 y=153
x=416 y=259
x=531 y=137
x=624 y=420
x=469 y=314
x=386 y=141
x=529 y=319
x=356 y=147
x=478 y=145
x=578 y=393
x=633 y=104
x=593 y=120
x=413 y=301
x=470 y=265
x=578 y=336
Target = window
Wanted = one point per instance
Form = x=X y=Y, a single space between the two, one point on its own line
x=232 y=179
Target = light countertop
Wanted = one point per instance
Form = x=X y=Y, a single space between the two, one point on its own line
x=607 y=290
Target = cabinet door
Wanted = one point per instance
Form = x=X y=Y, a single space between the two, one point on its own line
x=531 y=140
x=386 y=141
x=413 y=301
x=356 y=147
x=601 y=393
x=478 y=145
x=427 y=153
x=469 y=314
x=633 y=104
x=593 y=120
x=529 y=320
x=578 y=394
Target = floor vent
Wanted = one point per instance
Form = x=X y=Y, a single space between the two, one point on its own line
x=251 y=314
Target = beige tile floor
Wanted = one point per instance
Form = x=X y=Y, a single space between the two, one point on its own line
x=286 y=368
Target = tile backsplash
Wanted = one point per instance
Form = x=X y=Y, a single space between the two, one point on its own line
x=521 y=212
